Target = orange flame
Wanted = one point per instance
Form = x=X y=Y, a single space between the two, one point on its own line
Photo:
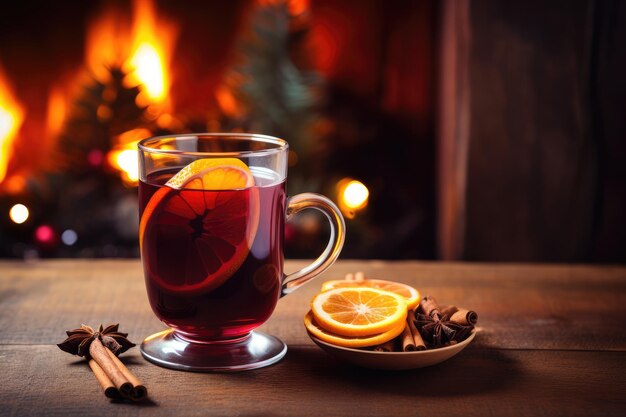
x=124 y=156
x=144 y=51
x=228 y=103
x=153 y=41
x=107 y=43
x=57 y=109
x=11 y=116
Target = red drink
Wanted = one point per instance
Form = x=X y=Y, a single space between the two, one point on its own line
x=213 y=260
x=211 y=238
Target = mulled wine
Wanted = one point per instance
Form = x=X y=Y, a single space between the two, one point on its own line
x=211 y=237
x=213 y=259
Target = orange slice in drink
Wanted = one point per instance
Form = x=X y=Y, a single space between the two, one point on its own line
x=213 y=174
x=358 y=311
x=197 y=230
x=347 y=341
x=411 y=295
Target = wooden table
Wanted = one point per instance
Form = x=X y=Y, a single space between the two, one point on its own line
x=551 y=341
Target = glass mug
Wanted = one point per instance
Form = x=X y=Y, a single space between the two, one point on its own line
x=211 y=240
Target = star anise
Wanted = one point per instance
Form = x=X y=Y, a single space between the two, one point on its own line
x=437 y=329
x=79 y=340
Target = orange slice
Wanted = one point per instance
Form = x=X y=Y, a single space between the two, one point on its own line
x=358 y=311
x=213 y=174
x=346 y=341
x=411 y=295
x=197 y=230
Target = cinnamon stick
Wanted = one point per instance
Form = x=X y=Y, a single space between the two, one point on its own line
x=430 y=307
x=139 y=391
x=408 y=344
x=105 y=382
x=449 y=310
x=411 y=337
x=465 y=317
x=98 y=353
x=417 y=337
x=388 y=346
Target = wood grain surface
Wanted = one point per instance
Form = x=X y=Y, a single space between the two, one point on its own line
x=551 y=341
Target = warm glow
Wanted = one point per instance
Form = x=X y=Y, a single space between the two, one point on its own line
x=355 y=195
x=298 y=7
x=227 y=102
x=143 y=50
x=56 y=111
x=107 y=43
x=127 y=161
x=11 y=116
x=130 y=138
x=124 y=157
x=19 y=213
x=14 y=184
x=149 y=71
x=295 y=7
x=352 y=196
x=153 y=41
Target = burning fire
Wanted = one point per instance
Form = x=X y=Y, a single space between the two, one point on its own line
x=153 y=42
x=11 y=116
x=148 y=69
x=124 y=156
x=57 y=108
x=143 y=52
x=142 y=48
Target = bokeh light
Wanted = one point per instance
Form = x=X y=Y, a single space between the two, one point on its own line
x=355 y=195
x=69 y=237
x=19 y=213
x=44 y=234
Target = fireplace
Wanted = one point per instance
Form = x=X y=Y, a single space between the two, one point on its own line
x=484 y=131
x=350 y=86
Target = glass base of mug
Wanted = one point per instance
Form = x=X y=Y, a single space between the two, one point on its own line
x=251 y=352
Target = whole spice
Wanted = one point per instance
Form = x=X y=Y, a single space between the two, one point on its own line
x=464 y=317
x=437 y=328
x=79 y=340
x=418 y=341
x=435 y=331
x=388 y=346
x=101 y=347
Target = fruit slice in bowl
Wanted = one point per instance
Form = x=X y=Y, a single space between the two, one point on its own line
x=342 y=321
x=358 y=311
x=411 y=295
x=208 y=214
x=322 y=334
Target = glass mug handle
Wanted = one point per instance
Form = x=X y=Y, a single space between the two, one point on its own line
x=304 y=201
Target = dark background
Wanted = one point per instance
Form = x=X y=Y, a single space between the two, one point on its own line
x=485 y=130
